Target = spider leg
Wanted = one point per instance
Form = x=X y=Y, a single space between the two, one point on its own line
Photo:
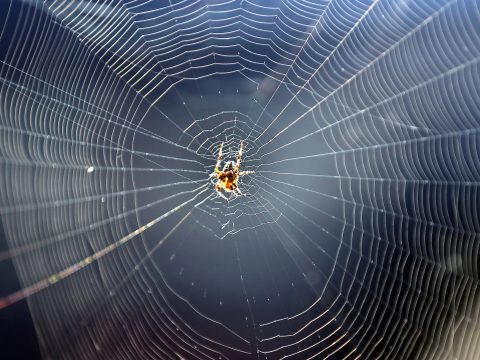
x=221 y=195
x=219 y=159
x=239 y=157
x=246 y=172
x=218 y=189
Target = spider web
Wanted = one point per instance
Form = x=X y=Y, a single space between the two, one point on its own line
x=357 y=236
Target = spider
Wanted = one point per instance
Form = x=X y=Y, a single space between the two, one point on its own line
x=227 y=179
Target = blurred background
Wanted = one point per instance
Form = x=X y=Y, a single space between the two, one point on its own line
x=357 y=232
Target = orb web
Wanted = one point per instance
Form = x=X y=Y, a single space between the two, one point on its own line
x=357 y=232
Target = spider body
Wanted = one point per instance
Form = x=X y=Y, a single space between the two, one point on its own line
x=227 y=178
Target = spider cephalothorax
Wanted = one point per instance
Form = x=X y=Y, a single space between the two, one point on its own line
x=227 y=179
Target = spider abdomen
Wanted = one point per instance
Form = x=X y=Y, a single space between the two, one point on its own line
x=228 y=180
